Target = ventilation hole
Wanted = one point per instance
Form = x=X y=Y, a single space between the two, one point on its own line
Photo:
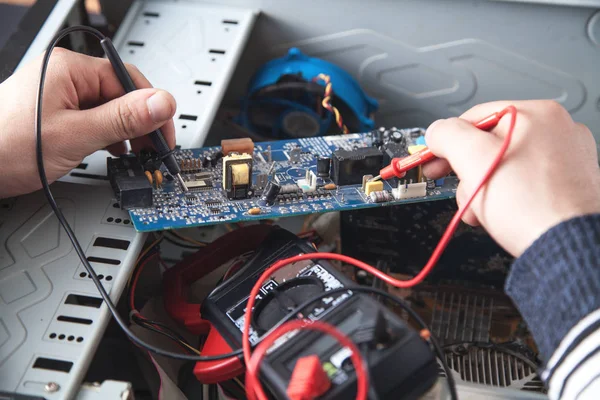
x=82 y=166
x=82 y=275
x=103 y=260
x=109 y=278
x=111 y=243
x=71 y=338
x=188 y=117
x=89 y=176
x=230 y=22
x=136 y=44
x=126 y=222
x=73 y=320
x=203 y=83
x=83 y=301
x=118 y=220
x=52 y=335
x=151 y=14
x=79 y=339
x=110 y=219
x=52 y=364
x=100 y=276
x=215 y=51
x=61 y=337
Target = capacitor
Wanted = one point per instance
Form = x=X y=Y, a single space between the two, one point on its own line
x=149 y=176
x=158 y=177
x=396 y=136
x=323 y=165
x=254 y=211
x=270 y=193
x=377 y=137
x=380 y=197
x=330 y=186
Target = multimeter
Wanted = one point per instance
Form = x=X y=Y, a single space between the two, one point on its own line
x=401 y=364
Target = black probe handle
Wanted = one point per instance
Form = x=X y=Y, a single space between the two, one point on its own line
x=157 y=137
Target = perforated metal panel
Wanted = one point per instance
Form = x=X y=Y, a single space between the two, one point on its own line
x=51 y=318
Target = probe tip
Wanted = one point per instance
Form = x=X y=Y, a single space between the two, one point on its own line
x=375 y=178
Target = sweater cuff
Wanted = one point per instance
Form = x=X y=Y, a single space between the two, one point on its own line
x=556 y=282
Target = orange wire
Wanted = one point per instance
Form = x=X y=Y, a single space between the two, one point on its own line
x=253 y=386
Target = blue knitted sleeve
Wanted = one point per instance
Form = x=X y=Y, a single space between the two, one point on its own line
x=556 y=282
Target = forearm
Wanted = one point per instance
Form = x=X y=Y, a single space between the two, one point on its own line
x=556 y=286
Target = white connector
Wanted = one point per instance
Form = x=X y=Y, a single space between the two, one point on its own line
x=309 y=183
x=410 y=190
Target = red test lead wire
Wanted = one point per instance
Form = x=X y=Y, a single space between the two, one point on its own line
x=486 y=123
x=399 y=166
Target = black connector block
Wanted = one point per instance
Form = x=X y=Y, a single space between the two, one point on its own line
x=349 y=167
x=132 y=188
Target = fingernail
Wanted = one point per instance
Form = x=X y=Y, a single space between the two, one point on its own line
x=159 y=106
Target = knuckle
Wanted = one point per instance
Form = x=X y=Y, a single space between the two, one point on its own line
x=552 y=108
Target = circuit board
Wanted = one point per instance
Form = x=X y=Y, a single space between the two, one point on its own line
x=293 y=166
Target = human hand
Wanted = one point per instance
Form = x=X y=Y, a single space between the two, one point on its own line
x=84 y=110
x=549 y=173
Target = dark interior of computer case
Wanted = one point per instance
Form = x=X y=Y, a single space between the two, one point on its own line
x=483 y=335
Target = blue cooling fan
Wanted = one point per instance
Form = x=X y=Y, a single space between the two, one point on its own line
x=283 y=99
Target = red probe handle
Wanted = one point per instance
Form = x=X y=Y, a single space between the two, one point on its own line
x=399 y=166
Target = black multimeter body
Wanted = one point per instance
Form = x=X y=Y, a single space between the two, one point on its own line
x=401 y=365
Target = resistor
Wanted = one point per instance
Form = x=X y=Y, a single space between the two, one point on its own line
x=289 y=188
x=158 y=177
x=149 y=176
x=380 y=197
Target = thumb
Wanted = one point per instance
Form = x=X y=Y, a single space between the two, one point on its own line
x=127 y=117
x=468 y=150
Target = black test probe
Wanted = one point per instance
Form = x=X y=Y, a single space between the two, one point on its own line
x=160 y=144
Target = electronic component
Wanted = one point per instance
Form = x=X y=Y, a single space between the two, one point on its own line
x=289 y=188
x=240 y=146
x=295 y=155
x=129 y=182
x=397 y=343
x=190 y=164
x=323 y=166
x=410 y=190
x=158 y=178
x=380 y=196
x=237 y=175
x=270 y=193
x=309 y=183
x=254 y=211
x=149 y=177
x=350 y=166
x=374 y=186
x=261 y=180
x=330 y=186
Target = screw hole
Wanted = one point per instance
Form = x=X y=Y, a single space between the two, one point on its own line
x=183 y=126
x=109 y=278
x=61 y=337
x=127 y=222
x=199 y=92
x=213 y=59
x=52 y=335
x=147 y=22
x=226 y=29
x=131 y=51
x=82 y=275
x=79 y=339
x=118 y=220
x=71 y=338
x=110 y=219
x=100 y=276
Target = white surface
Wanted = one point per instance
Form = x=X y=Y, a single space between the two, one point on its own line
x=175 y=54
x=39 y=268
